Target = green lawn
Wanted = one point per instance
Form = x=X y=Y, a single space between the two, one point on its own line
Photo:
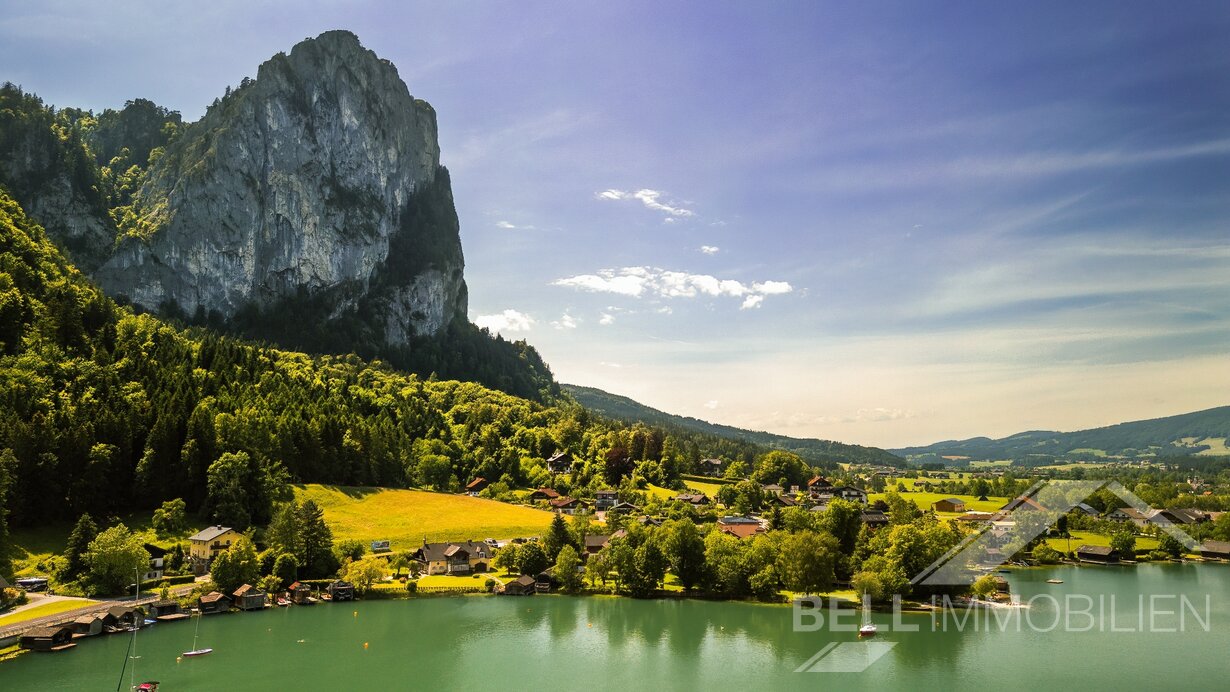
x=710 y=489
x=924 y=500
x=659 y=492
x=43 y=610
x=1080 y=538
x=406 y=517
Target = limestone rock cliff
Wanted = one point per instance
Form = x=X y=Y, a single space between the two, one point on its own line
x=306 y=183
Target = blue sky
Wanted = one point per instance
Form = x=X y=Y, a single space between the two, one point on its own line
x=883 y=223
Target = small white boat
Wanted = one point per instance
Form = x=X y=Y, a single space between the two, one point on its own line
x=1054 y=581
x=868 y=630
x=195 y=651
x=198 y=652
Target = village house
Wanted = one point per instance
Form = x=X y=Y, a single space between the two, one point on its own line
x=949 y=504
x=646 y=520
x=55 y=638
x=453 y=558
x=818 y=483
x=543 y=495
x=740 y=527
x=214 y=602
x=595 y=544
x=711 y=467
x=205 y=545
x=624 y=508
x=1023 y=504
x=772 y=489
x=123 y=617
x=695 y=499
x=779 y=501
x=476 y=486
x=157 y=558
x=166 y=610
x=1178 y=516
x=851 y=493
x=605 y=499
x=560 y=462
x=248 y=597
x=874 y=518
x=566 y=505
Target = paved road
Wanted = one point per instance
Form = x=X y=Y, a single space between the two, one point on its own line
x=70 y=615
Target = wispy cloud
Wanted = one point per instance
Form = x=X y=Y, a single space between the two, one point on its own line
x=637 y=282
x=607 y=319
x=566 y=321
x=510 y=226
x=508 y=321
x=647 y=197
x=709 y=249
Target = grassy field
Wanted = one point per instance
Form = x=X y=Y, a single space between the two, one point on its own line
x=985 y=464
x=710 y=489
x=659 y=492
x=43 y=610
x=1080 y=538
x=924 y=500
x=1217 y=446
x=405 y=517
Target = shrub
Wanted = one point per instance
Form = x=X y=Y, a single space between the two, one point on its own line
x=412 y=586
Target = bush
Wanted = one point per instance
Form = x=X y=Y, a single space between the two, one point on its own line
x=412 y=586
x=1158 y=555
x=489 y=585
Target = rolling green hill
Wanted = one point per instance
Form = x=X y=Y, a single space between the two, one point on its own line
x=1184 y=434
x=815 y=451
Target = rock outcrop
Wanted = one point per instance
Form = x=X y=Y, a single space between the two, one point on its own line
x=303 y=182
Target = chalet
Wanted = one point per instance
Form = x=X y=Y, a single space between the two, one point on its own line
x=874 y=518
x=560 y=462
x=694 y=499
x=47 y=639
x=566 y=505
x=605 y=499
x=772 y=489
x=1102 y=554
x=453 y=558
x=87 y=625
x=476 y=486
x=216 y=602
x=976 y=517
x=157 y=560
x=711 y=467
x=1086 y=509
x=1179 y=516
x=780 y=501
x=205 y=545
x=543 y=495
x=595 y=544
x=248 y=597
x=125 y=617
x=166 y=610
x=646 y=520
x=740 y=527
x=817 y=483
x=949 y=504
x=523 y=585
x=340 y=590
x=300 y=593
x=1120 y=514
x=1131 y=514
x=851 y=493
x=624 y=508
x=1215 y=550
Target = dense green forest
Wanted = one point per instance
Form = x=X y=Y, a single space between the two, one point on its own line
x=820 y=452
x=103 y=410
x=1163 y=437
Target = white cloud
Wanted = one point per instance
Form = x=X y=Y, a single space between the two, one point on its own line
x=507 y=321
x=606 y=364
x=504 y=224
x=637 y=282
x=711 y=404
x=607 y=319
x=510 y=226
x=565 y=322
x=709 y=249
x=647 y=197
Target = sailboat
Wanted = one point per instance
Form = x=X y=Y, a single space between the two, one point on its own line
x=869 y=628
x=131 y=653
x=195 y=651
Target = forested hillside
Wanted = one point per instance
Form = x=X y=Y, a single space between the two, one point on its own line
x=1171 y=436
x=104 y=411
x=815 y=451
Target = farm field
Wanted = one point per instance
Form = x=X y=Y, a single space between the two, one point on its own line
x=924 y=500
x=406 y=517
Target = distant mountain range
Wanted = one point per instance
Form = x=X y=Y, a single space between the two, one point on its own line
x=1201 y=432
x=815 y=451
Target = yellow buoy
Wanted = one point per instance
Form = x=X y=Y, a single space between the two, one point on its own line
x=364 y=645
x=356 y=613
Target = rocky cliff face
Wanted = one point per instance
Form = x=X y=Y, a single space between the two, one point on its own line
x=302 y=183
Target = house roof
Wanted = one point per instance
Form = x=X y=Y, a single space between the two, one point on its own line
x=563 y=501
x=560 y=456
x=874 y=516
x=546 y=491
x=734 y=520
x=1023 y=502
x=525 y=580
x=476 y=482
x=596 y=541
x=1133 y=513
x=247 y=590
x=44 y=632
x=1096 y=549
x=625 y=507
x=741 y=530
x=1187 y=515
x=210 y=533
x=953 y=500
x=711 y=462
x=819 y=481
x=1216 y=547
x=214 y=596
x=693 y=498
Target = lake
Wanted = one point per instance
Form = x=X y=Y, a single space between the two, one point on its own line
x=602 y=643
